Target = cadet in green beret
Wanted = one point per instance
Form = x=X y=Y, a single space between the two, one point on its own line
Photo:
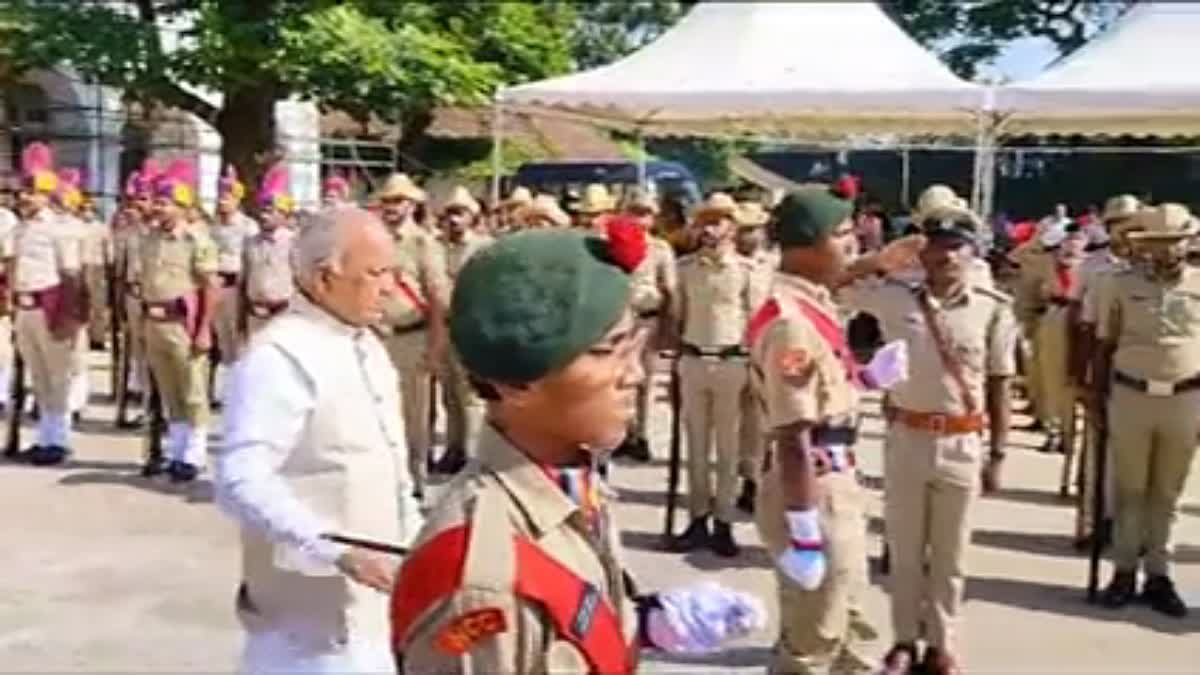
x=809 y=511
x=518 y=569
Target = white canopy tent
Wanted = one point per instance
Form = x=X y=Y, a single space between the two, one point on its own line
x=768 y=70
x=1138 y=77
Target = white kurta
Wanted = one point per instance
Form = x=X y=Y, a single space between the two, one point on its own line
x=313 y=444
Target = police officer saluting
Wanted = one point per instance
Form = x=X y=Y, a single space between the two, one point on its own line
x=1149 y=329
x=961 y=341
x=518 y=569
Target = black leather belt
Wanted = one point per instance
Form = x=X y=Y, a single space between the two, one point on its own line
x=411 y=328
x=829 y=435
x=720 y=352
x=1157 y=387
x=649 y=314
x=825 y=436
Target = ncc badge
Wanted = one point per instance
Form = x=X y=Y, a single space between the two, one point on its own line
x=796 y=365
x=459 y=636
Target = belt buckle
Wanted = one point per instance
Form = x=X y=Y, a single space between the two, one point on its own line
x=157 y=312
x=938 y=423
x=26 y=301
x=259 y=311
x=711 y=358
x=1160 y=388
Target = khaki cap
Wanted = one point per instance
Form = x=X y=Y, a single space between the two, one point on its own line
x=1119 y=207
x=461 y=198
x=519 y=197
x=751 y=214
x=718 y=205
x=937 y=196
x=596 y=199
x=1164 y=222
x=400 y=185
x=544 y=207
x=643 y=201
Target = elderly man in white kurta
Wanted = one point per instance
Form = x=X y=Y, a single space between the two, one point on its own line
x=314 y=445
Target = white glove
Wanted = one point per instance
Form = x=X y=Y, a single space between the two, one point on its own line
x=889 y=366
x=697 y=619
x=804 y=562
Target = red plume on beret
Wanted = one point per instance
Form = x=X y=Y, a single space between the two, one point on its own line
x=846 y=187
x=626 y=242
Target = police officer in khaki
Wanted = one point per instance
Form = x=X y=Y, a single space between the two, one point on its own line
x=750 y=243
x=48 y=290
x=655 y=286
x=718 y=291
x=542 y=213
x=232 y=229
x=460 y=240
x=496 y=577
x=961 y=342
x=180 y=288
x=810 y=511
x=267 y=285
x=594 y=206
x=97 y=261
x=413 y=327
x=1149 y=330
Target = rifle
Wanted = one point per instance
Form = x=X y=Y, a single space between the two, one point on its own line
x=16 y=404
x=675 y=450
x=1099 y=537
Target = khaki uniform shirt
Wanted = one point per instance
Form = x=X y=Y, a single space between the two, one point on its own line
x=268 y=266
x=794 y=371
x=1094 y=273
x=230 y=239
x=1155 y=325
x=457 y=253
x=654 y=274
x=718 y=295
x=1036 y=265
x=977 y=324
x=45 y=247
x=420 y=269
x=174 y=263
x=502 y=495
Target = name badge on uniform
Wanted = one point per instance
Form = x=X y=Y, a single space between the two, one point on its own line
x=1160 y=388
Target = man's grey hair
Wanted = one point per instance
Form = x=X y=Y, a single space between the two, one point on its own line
x=321 y=242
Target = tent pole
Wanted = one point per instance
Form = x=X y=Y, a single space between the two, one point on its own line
x=980 y=151
x=905 y=178
x=497 y=149
x=641 y=160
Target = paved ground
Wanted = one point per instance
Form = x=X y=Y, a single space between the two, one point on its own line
x=103 y=571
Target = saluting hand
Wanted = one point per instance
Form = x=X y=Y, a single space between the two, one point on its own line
x=899 y=254
x=368 y=568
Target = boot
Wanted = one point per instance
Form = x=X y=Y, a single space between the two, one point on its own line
x=939 y=662
x=722 y=542
x=451 y=462
x=1121 y=590
x=745 y=500
x=1159 y=592
x=900 y=659
x=694 y=537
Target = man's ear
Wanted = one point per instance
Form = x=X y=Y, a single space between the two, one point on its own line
x=517 y=396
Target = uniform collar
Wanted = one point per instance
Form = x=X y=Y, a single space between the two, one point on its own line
x=809 y=289
x=544 y=504
x=961 y=297
x=723 y=258
x=305 y=306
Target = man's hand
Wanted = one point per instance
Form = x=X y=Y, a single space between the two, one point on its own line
x=202 y=343
x=991 y=475
x=368 y=568
x=899 y=254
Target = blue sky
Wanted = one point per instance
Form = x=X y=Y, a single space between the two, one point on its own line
x=1023 y=59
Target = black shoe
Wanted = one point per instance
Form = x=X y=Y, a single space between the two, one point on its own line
x=1034 y=425
x=901 y=659
x=938 y=662
x=626 y=448
x=97 y=345
x=451 y=462
x=745 y=500
x=131 y=424
x=153 y=467
x=639 y=450
x=694 y=537
x=1052 y=445
x=1159 y=593
x=216 y=406
x=182 y=472
x=722 y=542
x=48 y=455
x=76 y=418
x=1121 y=591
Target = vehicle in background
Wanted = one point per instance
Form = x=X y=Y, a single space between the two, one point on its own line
x=671 y=181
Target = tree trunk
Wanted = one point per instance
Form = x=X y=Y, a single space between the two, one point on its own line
x=413 y=140
x=246 y=124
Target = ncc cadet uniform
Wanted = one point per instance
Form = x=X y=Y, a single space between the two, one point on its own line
x=464 y=410
x=803 y=371
x=934 y=449
x=230 y=237
x=519 y=566
x=47 y=287
x=655 y=286
x=268 y=284
x=97 y=262
x=1051 y=287
x=179 y=267
x=92 y=265
x=1153 y=320
x=1094 y=274
x=718 y=292
x=421 y=280
x=752 y=216
x=126 y=245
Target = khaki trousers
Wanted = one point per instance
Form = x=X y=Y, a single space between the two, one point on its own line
x=50 y=361
x=181 y=376
x=225 y=325
x=931 y=483
x=1031 y=364
x=99 y=312
x=1153 y=441
x=1057 y=390
x=6 y=349
x=464 y=410
x=710 y=392
x=135 y=342
x=822 y=631
x=407 y=351
x=750 y=436
x=647 y=390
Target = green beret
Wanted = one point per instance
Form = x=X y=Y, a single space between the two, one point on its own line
x=532 y=301
x=807 y=215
